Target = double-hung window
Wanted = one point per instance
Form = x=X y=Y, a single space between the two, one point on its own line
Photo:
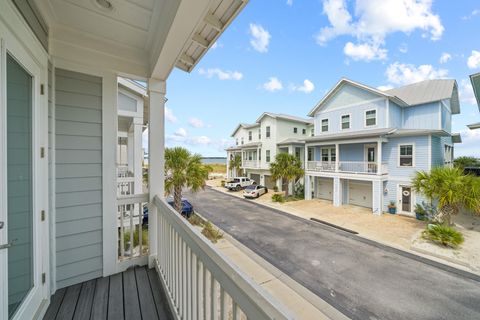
x=267 y=156
x=236 y=141
x=249 y=135
x=325 y=156
x=259 y=134
x=312 y=132
x=295 y=130
x=448 y=155
x=370 y=118
x=405 y=155
x=304 y=131
x=242 y=140
x=267 y=132
x=324 y=125
x=345 y=121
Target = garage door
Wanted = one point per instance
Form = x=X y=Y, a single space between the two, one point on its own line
x=255 y=177
x=325 y=188
x=269 y=183
x=360 y=193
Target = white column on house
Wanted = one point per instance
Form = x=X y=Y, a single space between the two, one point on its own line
x=130 y=148
x=379 y=157
x=138 y=155
x=258 y=157
x=377 y=197
x=337 y=157
x=156 y=150
x=337 y=192
x=308 y=185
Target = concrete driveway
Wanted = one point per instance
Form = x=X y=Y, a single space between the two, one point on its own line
x=362 y=279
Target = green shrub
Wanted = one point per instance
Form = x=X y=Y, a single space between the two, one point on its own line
x=278 y=198
x=222 y=183
x=212 y=233
x=275 y=188
x=443 y=235
x=126 y=237
x=299 y=192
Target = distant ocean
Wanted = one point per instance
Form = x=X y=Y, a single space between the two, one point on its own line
x=212 y=160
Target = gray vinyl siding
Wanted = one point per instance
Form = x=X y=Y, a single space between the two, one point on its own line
x=78 y=167
x=437 y=151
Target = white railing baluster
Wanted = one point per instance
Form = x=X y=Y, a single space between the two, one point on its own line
x=122 y=232
x=201 y=283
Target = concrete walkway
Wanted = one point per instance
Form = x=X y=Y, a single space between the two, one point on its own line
x=361 y=278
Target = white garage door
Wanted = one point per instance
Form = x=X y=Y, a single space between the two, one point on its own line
x=269 y=183
x=360 y=193
x=255 y=177
x=325 y=188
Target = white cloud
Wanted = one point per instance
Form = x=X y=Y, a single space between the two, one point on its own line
x=403 y=48
x=290 y=2
x=306 y=87
x=473 y=61
x=372 y=20
x=196 y=123
x=401 y=73
x=471 y=15
x=221 y=74
x=469 y=145
x=260 y=38
x=466 y=92
x=273 y=84
x=385 y=87
x=181 y=132
x=169 y=115
x=365 y=51
x=445 y=57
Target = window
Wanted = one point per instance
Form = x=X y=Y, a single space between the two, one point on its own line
x=267 y=156
x=328 y=154
x=242 y=140
x=310 y=154
x=406 y=155
x=259 y=134
x=370 y=118
x=333 y=155
x=297 y=152
x=260 y=155
x=324 y=125
x=295 y=130
x=325 y=154
x=267 y=132
x=312 y=132
x=345 y=121
x=448 y=155
x=249 y=135
x=236 y=141
x=304 y=131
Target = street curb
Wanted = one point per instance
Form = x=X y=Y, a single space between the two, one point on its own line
x=330 y=311
x=407 y=254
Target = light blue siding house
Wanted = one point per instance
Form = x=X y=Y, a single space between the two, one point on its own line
x=475 y=80
x=368 y=143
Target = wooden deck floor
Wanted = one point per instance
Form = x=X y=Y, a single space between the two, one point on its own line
x=135 y=294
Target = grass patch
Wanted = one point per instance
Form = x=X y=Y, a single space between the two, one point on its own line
x=293 y=198
x=443 y=235
x=278 y=198
x=212 y=233
x=136 y=233
x=218 y=168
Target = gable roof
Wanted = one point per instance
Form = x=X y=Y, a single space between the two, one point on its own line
x=475 y=80
x=344 y=81
x=429 y=91
x=244 y=126
x=284 y=117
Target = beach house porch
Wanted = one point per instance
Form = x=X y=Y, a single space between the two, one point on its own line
x=64 y=228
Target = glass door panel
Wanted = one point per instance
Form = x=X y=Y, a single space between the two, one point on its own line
x=19 y=184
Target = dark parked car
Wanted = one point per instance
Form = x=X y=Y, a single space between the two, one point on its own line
x=187 y=210
x=472 y=170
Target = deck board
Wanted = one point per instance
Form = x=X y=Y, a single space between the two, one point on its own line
x=135 y=294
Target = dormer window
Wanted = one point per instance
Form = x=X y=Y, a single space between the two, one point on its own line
x=324 y=125
x=370 y=118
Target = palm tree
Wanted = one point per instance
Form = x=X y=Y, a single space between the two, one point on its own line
x=451 y=189
x=235 y=163
x=286 y=167
x=462 y=162
x=183 y=170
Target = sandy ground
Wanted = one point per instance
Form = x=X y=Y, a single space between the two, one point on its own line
x=394 y=230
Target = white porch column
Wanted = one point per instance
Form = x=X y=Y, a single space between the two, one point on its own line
x=377 y=197
x=228 y=165
x=137 y=155
x=156 y=151
x=337 y=192
x=131 y=148
x=308 y=190
x=379 y=157
x=337 y=157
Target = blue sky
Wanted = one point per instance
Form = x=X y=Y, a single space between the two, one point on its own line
x=283 y=56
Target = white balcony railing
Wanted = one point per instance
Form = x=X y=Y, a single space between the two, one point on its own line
x=125 y=186
x=123 y=172
x=200 y=282
x=132 y=228
x=250 y=164
x=362 y=167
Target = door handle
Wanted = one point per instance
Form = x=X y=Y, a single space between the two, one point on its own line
x=2 y=224
x=7 y=245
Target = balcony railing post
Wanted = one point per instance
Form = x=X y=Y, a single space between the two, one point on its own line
x=337 y=157
x=379 y=157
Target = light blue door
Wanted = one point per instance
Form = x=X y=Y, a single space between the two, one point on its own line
x=20 y=224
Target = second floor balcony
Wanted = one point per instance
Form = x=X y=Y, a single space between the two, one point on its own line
x=356 y=167
x=251 y=164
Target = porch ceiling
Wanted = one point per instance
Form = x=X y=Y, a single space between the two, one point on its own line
x=143 y=38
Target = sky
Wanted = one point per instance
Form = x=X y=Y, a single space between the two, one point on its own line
x=283 y=56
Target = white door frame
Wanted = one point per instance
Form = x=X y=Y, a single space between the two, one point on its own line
x=35 y=301
x=399 y=199
x=365 y=150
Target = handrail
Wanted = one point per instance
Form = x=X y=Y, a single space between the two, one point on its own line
x=186 y=260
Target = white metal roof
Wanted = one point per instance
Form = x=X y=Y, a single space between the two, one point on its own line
x=285 y=117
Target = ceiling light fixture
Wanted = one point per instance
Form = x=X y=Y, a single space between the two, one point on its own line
x=104 y=4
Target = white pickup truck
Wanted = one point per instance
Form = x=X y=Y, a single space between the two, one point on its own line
x=239 y=183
